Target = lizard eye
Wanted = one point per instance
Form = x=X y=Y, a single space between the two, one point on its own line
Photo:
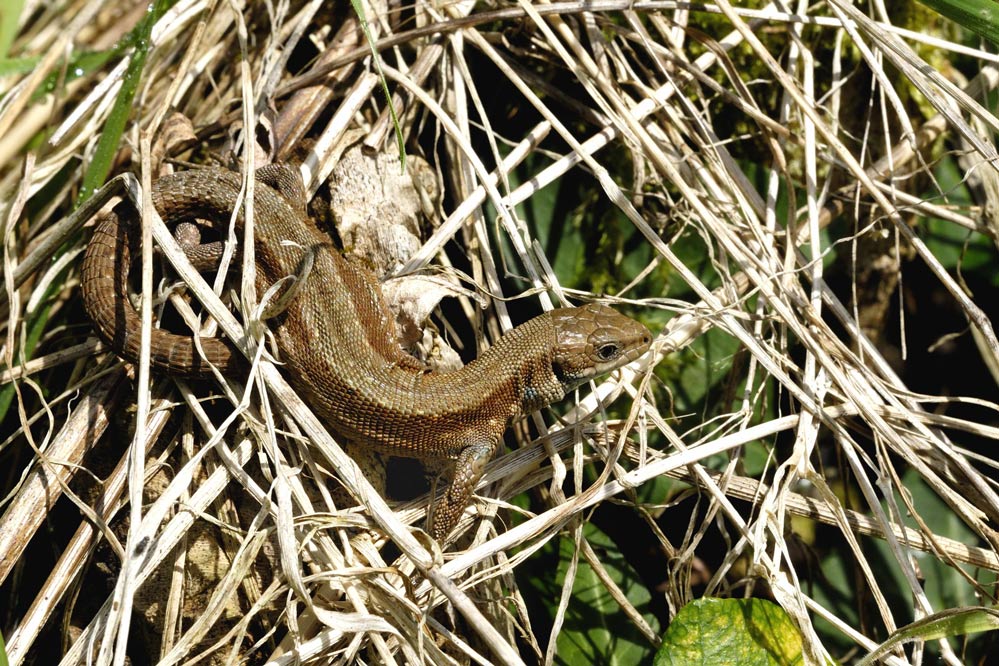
x=608 y=351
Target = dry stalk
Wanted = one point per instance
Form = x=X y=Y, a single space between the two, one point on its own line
x=610 y=88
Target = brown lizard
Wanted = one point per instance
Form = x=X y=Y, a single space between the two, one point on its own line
x=336 y=338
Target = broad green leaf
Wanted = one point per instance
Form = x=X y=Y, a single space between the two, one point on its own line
x=953 y=246
x=595 y=631
x=749 y=632
x=80 y=64
x=943 y=584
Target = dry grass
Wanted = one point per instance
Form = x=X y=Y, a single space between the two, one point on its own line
x=664 y=108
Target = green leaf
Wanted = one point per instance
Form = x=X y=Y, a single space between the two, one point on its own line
x=596 y=630
x=377 y=60
x=12 y=66
x=107 y=146
x=749 y=632
x=951 y=622
x=37 y=326
x=979 y=16
x=955 y=247
x=943 y=583
x=80 y=64
x=10 y=10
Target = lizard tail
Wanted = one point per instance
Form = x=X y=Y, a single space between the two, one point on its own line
x=104 y=279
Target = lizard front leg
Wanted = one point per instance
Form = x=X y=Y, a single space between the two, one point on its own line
x=468 y=469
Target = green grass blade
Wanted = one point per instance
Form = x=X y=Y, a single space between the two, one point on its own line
x=951 y=622
x=979 y=16
x=359 y=10
x=107 y=146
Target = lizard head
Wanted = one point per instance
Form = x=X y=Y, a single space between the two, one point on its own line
x=594 y=339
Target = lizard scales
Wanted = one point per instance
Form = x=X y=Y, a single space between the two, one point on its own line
x=337 y=342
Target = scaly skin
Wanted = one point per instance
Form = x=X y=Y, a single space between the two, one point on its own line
x=336 y=337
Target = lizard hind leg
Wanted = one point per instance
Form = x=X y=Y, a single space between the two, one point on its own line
x=286 y=180
x=287 y=289
x=468 y=469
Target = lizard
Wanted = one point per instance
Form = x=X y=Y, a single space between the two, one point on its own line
x=336 y=335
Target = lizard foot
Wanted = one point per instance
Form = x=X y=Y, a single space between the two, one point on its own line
x=468 y=470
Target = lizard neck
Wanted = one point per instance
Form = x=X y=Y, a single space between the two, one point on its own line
x=520 y=361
